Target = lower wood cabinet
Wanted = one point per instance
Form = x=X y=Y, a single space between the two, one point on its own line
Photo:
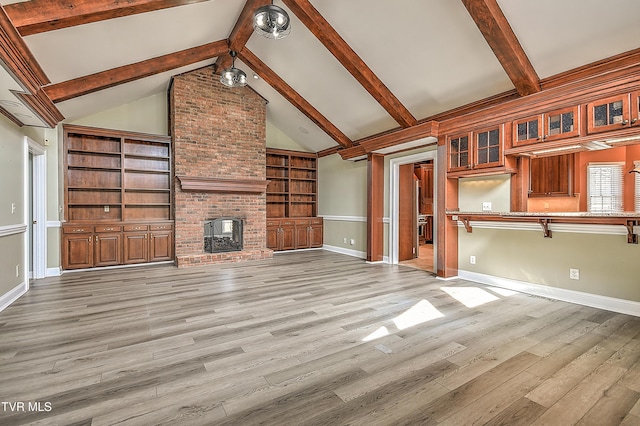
x=108 y=245
x=291 y=234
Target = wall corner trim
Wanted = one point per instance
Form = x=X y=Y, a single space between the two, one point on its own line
x=622 y=306
x=12 y=295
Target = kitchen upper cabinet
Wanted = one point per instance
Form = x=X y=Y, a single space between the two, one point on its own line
x=459 y=148
x=551 y=176
x=614 y=113
x=552 y=125
x=561 y=124
x=488 y=148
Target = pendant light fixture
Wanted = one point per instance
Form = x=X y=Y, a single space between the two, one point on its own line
x=233 y=77
x=271 y=21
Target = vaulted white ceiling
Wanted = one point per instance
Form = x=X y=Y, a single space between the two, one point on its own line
x=430 y=54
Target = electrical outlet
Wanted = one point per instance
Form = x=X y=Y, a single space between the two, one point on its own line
x=345 y=240
x=472 y=260
x=486 y=206
x=106 y=209
x=18 y=271
x=574 y=273
x=352 y=241
x=13 y=208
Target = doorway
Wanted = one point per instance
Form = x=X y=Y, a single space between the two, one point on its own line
x=413 y=236
x=35 y=212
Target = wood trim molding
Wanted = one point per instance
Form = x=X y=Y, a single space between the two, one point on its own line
x=268 y=75
x=200 y=184
x=505 y=45
x=38 y=16
x=42 y=106
x=330 y=38
x=375 y=207
x=18 y=58
x=105 y=79
x=420 y=131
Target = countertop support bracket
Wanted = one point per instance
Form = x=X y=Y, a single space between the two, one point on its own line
x=545 y=227
x=467 y=225
x=632 y=238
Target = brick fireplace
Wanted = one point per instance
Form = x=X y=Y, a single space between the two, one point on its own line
x=219 y=149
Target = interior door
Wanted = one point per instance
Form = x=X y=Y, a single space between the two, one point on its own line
x=408 y=214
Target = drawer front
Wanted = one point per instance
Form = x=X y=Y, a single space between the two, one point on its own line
x=129 y=228
x=108 y=228
x=273 y=223
x=316 y=221
x=302 y=223
x=287 y=222
x=166 y=227
x=77 y=229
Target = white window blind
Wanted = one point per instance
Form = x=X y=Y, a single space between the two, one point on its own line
x=605 y=188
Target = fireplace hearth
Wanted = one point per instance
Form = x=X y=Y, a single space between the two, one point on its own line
x=222 y=235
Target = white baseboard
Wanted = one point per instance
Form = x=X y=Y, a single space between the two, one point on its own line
x=348 y=252
x=622 y=306
x=54 y=272
x=12 y=295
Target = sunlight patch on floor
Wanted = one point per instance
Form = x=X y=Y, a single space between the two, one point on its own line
x=470 y=296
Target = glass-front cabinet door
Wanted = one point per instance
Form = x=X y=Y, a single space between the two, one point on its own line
x=527 y=130
x=561 y=124
x=488 y=148
x=459 y=152
x=608 y=114
x=635 y=108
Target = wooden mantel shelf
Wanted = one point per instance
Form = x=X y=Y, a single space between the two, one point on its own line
x=201 y=184
x=628 y=219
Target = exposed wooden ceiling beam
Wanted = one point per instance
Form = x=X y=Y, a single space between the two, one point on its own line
x=505 y=45
x=241 y=32
x=102 y=80
x=38 y=16
x=293 y=97
x=328 y=36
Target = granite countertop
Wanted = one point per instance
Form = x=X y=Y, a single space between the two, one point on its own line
x=546 y=214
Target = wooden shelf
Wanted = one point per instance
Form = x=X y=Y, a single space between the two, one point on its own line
x=130 y=173
x=292 y=174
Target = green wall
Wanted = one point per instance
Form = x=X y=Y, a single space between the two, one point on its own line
x=11 y=187
x=608 y=265
x=342 y=192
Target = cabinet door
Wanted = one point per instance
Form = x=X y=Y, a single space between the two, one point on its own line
x=527 y=130
x=551 y=176
x=459 y=150
x=302 y=236
x=315 y=235
x=77 y=251
x=561 y=124
x=160 y=246
x=287 y=237
x=635 y=108
x=107 y=249
x=136 y=247
x=488 y=148
x=272 y=237
x=608 y=114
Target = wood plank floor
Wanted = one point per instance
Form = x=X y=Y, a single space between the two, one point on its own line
x=309 y=338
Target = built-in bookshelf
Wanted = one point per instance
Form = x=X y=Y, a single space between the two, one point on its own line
x=292 y=189
x=114 y=179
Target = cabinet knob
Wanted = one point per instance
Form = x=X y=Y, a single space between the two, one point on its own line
x=96 y=239
x=90 y=239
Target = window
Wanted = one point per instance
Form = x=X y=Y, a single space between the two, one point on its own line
x=604 y=188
